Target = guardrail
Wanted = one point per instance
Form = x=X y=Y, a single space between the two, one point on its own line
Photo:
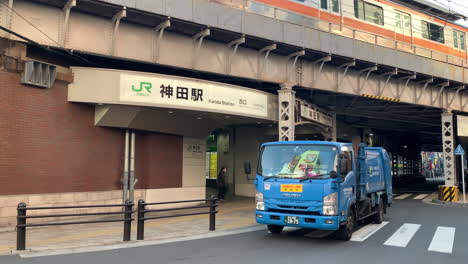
x=211 y=204
x=22 y=217
x=342 y=30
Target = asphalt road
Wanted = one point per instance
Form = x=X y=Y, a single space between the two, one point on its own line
x=414 y=230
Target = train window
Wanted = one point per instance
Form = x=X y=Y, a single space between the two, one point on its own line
x=368 y=12
x=459 y=40
x=335 y=5
x=432 y=31
x=402 y=23
x=462 y=41
x=324 y=4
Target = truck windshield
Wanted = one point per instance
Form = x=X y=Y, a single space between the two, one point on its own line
x=297 y=161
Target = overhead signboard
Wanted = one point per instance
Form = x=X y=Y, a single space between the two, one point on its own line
x=173 y=91
x=315 y=115
x=462 y=126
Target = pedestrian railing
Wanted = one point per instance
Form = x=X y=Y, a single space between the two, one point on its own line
x=23 y=209
x=142 y=211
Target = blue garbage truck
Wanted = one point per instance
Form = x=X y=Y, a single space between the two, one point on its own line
x=321 y=185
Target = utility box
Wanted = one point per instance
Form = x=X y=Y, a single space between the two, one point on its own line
x=39 y=74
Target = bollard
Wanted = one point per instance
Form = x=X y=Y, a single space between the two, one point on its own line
x=141 y=221
x=20 y=227
x=127 y=220
x=212 y=214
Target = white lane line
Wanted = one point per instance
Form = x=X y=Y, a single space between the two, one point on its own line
x=403 y=235
x=403 y=196
x=367 y=231
x=421 y=196
x=443 y=240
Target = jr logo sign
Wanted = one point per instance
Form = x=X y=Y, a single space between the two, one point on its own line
x=143 y=89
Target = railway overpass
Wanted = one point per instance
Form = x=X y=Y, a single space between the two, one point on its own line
x=367 y=87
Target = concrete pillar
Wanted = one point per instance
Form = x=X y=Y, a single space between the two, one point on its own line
x=287 y=120
x=448 y=148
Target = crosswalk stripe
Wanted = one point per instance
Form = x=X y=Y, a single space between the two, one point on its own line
x=367 y=231
x=403 y=235
x=443 y=240
x=421 y=196
x=403 y=196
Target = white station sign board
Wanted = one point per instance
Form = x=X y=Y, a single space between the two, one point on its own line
x=315 y=115
x=172 y=91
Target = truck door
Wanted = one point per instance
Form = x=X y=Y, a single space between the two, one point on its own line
x=374 y=171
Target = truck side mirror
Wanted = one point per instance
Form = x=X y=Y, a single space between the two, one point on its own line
x=247 y=168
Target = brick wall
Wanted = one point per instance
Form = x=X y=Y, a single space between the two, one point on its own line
x=158 y=160
x=48 y=145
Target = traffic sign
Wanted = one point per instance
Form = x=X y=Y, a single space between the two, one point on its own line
x=459 y=150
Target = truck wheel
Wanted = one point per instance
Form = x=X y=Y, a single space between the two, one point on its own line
x=378 y=217
x=275 y=229
x=346 y=231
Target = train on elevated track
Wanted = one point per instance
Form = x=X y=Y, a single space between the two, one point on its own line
x=415 y=22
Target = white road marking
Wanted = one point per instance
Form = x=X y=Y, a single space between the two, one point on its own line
x=421 y=196
x=367 y=231
x=403 y=196
x=403 y=235
x=443 y=240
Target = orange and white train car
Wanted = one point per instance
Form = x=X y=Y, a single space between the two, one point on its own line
x=392 y=19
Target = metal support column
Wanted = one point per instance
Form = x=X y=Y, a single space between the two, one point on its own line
x=231 y=54
x=157 y=43
x=292 y=69
x=132 y=180
x=448 y=148
x=286 y=102
x=261 y=66
x=198 y=41
x=115 y=24
x=66 y=18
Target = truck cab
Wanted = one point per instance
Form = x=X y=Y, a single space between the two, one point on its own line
x=321 y=185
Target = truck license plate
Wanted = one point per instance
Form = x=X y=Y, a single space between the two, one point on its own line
x=291 y=188
x=291 y=220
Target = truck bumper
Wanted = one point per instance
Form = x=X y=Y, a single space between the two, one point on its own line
x=305 y=221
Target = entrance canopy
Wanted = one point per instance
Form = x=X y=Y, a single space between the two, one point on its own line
x=168 y=104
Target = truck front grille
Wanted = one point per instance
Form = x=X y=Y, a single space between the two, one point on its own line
x=293 y=207
x=293 y=212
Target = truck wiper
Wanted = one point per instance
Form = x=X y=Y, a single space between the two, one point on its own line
x=278 y=176
x=269 y=177
x=312 y=178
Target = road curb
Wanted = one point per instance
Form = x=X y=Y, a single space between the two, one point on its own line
x=133 y=244
x=451 y=204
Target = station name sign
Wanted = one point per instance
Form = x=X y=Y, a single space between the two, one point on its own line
x=315 y=115
x=191 y=94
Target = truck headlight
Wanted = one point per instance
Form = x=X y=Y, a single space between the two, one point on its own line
x=329 y=204
x=259 y=204
x=329 y=210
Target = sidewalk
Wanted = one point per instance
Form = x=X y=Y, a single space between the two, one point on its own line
x=234 y=214
x=434 y=199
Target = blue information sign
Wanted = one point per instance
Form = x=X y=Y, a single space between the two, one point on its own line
x=459 y=150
